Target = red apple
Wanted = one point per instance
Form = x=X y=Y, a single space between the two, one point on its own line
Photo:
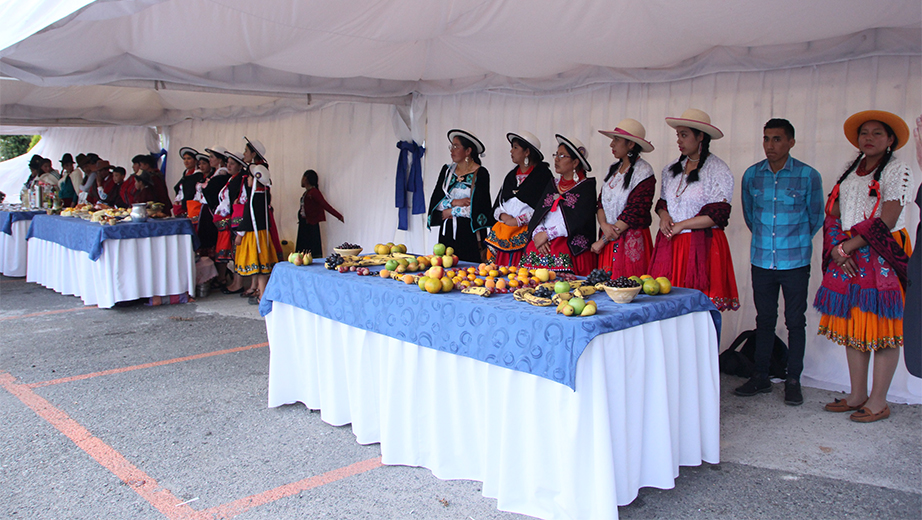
x=436 y=260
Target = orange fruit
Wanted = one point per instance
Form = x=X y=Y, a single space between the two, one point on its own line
x=447 y=284
x=513 y=283
x=408 y=279
x=471 y=270
x=513 y=269
x=479 y=282
x=551 y=275
x=433 y=285
x=472 y=277
x=501 y=284
x=504 y=270
x=489 y=284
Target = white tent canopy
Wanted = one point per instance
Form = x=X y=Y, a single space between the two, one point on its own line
x=333 y=86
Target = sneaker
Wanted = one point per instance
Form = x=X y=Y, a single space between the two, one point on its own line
x=755 y=385
x=792 y=394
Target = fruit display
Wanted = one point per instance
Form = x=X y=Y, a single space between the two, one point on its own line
x=333 y=261
x=622 y=282
x=301 y=258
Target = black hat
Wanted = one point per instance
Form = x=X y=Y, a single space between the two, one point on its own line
x=67 y=159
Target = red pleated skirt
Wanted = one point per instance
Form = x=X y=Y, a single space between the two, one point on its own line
x=721 y=282
x=629 y=255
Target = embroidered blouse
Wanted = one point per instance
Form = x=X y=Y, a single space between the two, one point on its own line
x=684 y=200
x=614 y=197
x=855 y=203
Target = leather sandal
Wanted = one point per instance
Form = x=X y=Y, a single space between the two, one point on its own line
x=841 y=405
x=865 y=416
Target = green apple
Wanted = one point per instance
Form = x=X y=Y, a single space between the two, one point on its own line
x=438 y=249
x=391 y=265
x=561 y=287
x=422 y=282
x=578 y=304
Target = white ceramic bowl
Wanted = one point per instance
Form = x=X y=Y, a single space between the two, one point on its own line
x=622 y=295
x=344 y=252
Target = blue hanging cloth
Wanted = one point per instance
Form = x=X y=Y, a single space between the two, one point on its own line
x=157 y=156
x=412 y=182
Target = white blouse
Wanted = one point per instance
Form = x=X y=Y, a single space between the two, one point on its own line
x=715 y=184
x=855 y=205
x=614 y=195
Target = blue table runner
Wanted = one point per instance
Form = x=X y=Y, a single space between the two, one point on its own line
x=83 y=235
x=7 y=218
x=497 y=330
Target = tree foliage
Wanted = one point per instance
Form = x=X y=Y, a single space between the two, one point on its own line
x=15 y=145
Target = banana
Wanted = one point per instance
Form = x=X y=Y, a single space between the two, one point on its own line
x=561 y=298
x=534 y=300
x=600 y=287
x=584 y=291
x=397 y=276
x=479 y=291
x=576 y=284
x=519 y=294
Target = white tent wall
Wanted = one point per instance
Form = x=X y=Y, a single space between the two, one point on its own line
x=817 y=100
x=114 y=144
x=351 y=146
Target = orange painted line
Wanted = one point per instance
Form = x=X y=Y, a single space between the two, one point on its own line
x=108 y=457
x=243 y=505
x=142 y=366
x=46 y=313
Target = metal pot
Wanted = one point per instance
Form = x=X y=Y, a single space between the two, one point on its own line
x=139 y=212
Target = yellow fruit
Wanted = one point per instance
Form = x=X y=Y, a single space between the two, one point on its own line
x=466 y=283
x=513 y=283
x=503 y=270
x=447 y=284
x=588 y=310
x=472 y=277
x=500 y=284
x=645 y=277
x=513 y=269
x=543 y=275
x=650 y=286
x=408 y=279
x=479 y=282
x=552 y=275
x=489 y=284
x=664 y=285
x=433 y=285
x=493 y=273
x=471 y=270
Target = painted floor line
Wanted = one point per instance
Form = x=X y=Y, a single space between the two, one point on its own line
x=46 y=313
x=139 y=481
x=70 y=379
x=243 y=505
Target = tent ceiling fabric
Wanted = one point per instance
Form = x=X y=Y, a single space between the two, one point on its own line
x=388 y=48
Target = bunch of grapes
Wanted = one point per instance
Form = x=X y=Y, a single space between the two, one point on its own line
x=598 y=276
x=544 y=291
x=334 y=260
x=622 y=282
x=347 y=245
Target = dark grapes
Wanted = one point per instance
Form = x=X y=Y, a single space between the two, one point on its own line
x=334 y=260
x=347 y=245
x=598 y=276
x=622 y=282
x=544 y=292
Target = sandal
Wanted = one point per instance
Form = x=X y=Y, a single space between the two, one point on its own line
x=865 y=416
x=841 y=405
x=247 y=294
x=226 y=291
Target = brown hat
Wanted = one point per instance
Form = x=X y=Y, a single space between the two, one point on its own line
x=895 y=122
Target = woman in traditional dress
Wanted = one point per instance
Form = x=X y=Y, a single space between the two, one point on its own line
x=228 y=216
x=563 y=225
x=516 y=201
x=207 y=194
x=865 y=255
x=694 y=208
x=184 y=189
x=625 y=245
x=460 y=202
x=256 y=253
x=312 y=212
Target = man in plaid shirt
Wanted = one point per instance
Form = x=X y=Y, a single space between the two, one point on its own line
x=783 y=207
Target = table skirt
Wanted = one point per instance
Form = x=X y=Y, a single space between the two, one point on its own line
x=647 y=402
x=13 y=250
x=128 y=269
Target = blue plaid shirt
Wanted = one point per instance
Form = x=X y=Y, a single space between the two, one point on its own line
x=783 y=210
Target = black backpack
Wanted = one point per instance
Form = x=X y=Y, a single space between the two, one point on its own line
x=740 y=361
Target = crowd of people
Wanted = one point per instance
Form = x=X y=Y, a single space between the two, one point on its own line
x=539 y=219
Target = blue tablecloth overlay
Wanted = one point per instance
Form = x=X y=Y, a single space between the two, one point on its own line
x=497 y=330
x=83 y=235
x=7 y=218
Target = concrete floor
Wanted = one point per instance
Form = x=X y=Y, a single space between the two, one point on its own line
x=151 y=412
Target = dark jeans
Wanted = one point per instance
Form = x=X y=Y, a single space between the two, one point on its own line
x=765 y=285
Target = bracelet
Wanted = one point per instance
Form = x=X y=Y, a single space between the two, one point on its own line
x=841 y=251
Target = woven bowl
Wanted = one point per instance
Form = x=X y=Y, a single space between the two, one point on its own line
x=619 y=295
x=344 y=252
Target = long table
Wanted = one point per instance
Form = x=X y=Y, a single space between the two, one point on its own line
x=14 y=225
x=646 y=397
x=104 y=264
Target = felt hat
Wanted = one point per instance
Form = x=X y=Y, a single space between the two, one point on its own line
x=261 y=174
x=577 y=149
x=632 y=130
x=258 y=147
x=895 y=122
x=697 y=119
x=235 y=157
x=533 y=142
x=218 y=151
x=478 y=146
x=67 y=159
x=185 y=150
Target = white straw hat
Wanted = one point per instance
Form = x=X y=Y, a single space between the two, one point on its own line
x=697 y=119
x=632 y=130
x=577 y=148
x=261 y=174
x=478 y=146
x=258 y=146
x=533 y=142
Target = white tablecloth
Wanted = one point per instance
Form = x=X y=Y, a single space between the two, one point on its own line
x=128 y=269
x=647 y=402
x=13 y=250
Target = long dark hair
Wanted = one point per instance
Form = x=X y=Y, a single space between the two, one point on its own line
x=676 y=168
x=467 y=143
x=883 y=161
x=312 y=179
x=632 y=155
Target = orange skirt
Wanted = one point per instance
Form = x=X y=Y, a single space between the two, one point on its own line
x=866 y=331
x=629 y=255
